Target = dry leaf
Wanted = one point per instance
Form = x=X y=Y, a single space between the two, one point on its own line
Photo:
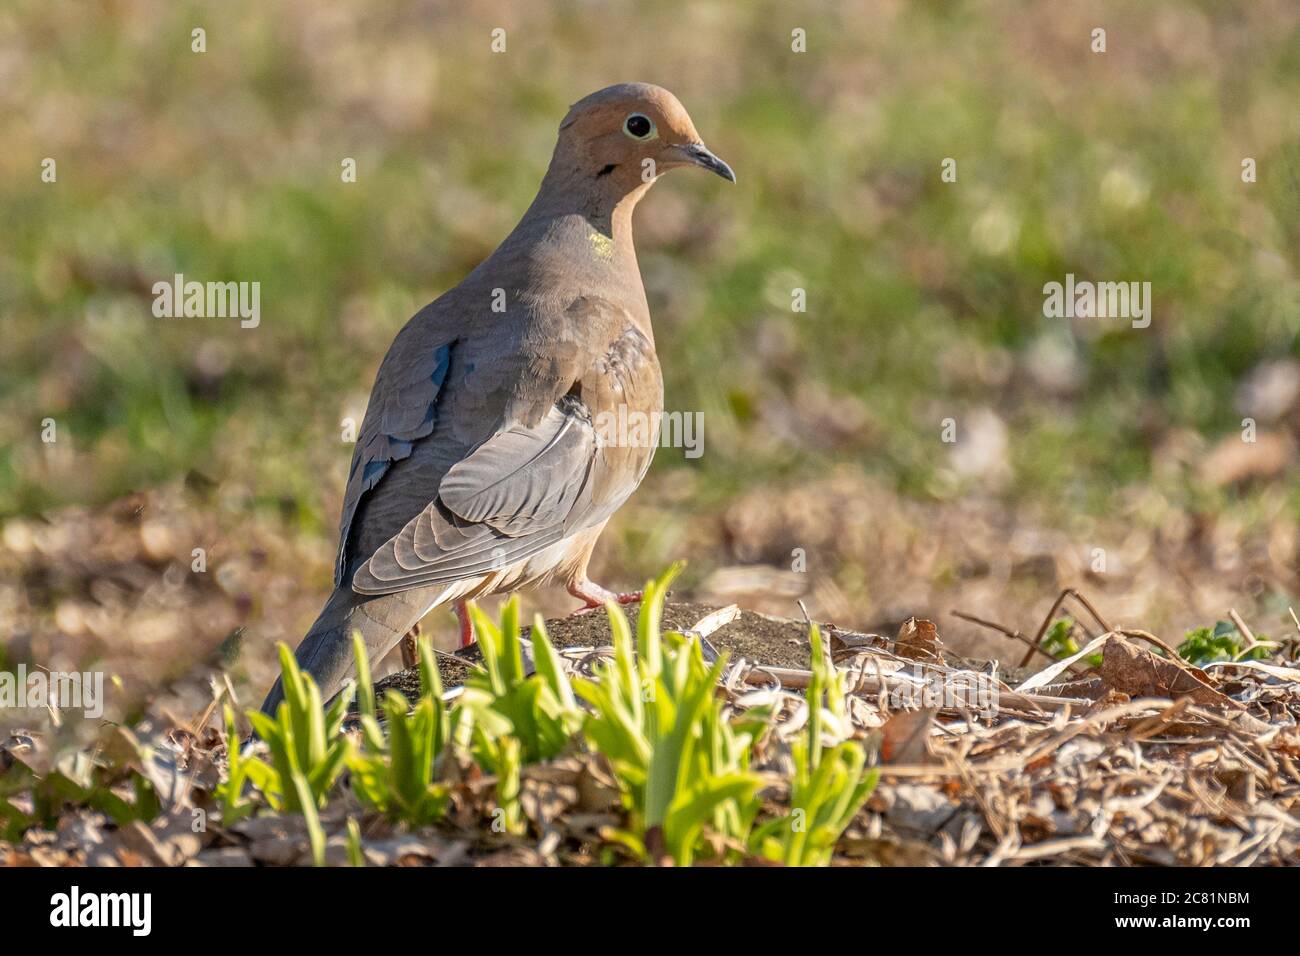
x=918 y=639
x=1135 y=671
x=905 y=738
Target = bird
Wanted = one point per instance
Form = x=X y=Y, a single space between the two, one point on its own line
x=482 y=465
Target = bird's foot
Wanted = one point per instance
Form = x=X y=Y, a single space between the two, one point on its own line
x=593 y=595
x=466 y=623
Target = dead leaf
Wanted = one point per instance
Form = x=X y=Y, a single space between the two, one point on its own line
x=1135 y=671
x=918 y=639
x=544 y=802
x=409 y=849
x=905 y=738
x=1086 y=688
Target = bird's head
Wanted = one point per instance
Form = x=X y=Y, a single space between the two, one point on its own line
x=627 y=135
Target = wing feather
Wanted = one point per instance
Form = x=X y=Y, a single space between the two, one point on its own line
x=405 y=414
x=540 y=477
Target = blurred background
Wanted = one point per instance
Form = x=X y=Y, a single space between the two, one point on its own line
x=1088 y=453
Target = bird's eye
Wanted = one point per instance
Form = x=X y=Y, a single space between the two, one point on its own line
x=638 y=126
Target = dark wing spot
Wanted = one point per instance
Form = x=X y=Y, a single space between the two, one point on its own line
x=607 y=170
x=572 y=404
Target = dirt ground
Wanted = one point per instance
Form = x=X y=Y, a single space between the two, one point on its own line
x=755 y=637
x=168 y=590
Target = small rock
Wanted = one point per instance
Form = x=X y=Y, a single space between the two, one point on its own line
x=913 y=807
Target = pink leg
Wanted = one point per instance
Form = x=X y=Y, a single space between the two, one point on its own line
x=466 y=625
x=593 y=595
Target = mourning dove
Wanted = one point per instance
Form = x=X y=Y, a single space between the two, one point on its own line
x=481 y=465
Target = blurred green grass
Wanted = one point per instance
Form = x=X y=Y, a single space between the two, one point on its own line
x=924 y=298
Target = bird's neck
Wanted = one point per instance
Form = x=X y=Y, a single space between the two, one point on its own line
x=575 y=240
x=572 y=197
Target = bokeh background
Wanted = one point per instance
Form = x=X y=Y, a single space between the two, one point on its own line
x=822 y=428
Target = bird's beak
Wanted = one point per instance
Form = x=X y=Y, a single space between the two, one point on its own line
x=699 y=155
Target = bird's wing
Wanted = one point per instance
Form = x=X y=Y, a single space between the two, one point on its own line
x=549 y=469
x=402 y=410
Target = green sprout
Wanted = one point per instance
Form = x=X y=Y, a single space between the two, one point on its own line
x=657 y=720
x=829 y=785
x=396 y=777
x=1223 y=642
x=1059 y=642
x=308 y=751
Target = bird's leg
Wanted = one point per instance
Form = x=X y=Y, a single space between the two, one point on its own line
x=410 y=649
x=593 y=595
x=466 y=624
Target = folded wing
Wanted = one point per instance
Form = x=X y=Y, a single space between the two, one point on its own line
x=519 y=492
x=543 y=475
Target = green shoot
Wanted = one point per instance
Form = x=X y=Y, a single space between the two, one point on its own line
x=240 y=771
x=1222 y=643
x=658 y=722
x=829 y=785
x=396 y=777
x=518 y=718
x=355 y=855
x=1059 y=642
x=308 y=751
x=539 y=710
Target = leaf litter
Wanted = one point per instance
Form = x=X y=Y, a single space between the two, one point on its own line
x=1142 y=759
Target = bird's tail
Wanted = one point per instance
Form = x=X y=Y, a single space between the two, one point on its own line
x=326 y=651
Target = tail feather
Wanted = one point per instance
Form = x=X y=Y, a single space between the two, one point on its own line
x=326 y=651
